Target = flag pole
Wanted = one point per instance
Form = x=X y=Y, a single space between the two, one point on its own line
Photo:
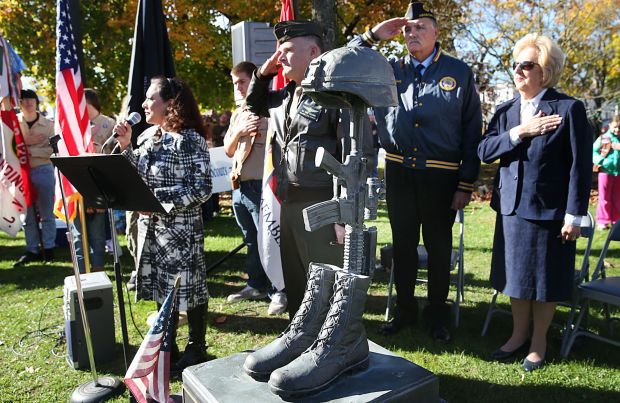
x=85 y=247
x=100 y=388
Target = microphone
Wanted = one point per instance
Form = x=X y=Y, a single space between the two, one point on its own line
x=133 y=119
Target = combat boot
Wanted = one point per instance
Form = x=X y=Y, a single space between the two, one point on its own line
x=303 y=329
x=341 y=345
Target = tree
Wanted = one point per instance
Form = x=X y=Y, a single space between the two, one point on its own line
x=481 y=32
x=30 y=27
x=586 y=30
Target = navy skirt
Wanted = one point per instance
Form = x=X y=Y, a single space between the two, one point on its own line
x=530 y=261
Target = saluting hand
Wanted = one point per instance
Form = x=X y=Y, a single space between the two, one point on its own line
x=389 y=29
x=272 y=65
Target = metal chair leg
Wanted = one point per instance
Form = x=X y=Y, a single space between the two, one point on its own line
x=575 y=331
x=569 y=328
x=489 y=314
x=390 y=286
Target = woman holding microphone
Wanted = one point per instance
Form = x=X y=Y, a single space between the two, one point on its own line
x=173 y=160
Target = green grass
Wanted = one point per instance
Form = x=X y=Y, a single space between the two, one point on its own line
x=465 y=372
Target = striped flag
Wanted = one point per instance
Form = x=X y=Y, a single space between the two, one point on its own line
x=268 y=236
x=148 y=375
x=16 y=191
x=71 y=114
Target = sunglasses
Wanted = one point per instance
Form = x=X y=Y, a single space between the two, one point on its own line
x=527 y=66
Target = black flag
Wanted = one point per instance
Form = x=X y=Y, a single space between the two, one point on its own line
x=151 y=56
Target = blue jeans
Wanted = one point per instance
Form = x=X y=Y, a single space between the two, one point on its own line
x=95 y=228
x=42 y=178
x=246 y=205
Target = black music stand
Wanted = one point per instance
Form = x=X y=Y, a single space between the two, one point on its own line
x=111 y=182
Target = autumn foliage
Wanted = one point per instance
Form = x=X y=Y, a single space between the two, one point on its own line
x=482 y=32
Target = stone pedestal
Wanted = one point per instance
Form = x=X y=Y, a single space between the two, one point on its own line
x=389 y=378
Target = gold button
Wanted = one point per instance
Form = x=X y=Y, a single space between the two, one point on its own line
x=420 y=103
x=423 y=83
x=412 y=165
x=416 y=125
x=414 y=158
x=415 y=149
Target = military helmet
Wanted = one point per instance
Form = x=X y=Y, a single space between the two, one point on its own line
x=345 y=76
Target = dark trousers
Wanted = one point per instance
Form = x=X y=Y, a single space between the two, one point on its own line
x=421 y=198
x=298 y=248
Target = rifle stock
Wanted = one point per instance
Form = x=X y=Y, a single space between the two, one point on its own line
x=327 y=161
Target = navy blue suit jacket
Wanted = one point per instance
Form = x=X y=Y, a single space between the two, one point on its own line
x=544 y=177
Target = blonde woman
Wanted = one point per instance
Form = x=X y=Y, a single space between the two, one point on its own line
x=543 y=141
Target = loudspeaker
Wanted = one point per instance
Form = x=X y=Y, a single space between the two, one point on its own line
x=98 y=304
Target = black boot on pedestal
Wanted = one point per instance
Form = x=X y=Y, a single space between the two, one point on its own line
x=196 y=350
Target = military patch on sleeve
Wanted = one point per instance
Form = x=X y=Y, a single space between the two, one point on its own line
x=447 y=83
x=310 y=111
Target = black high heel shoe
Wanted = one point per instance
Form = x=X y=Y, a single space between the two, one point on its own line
x=501 y=355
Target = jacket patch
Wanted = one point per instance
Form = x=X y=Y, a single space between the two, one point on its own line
x=309 y=111
x=447 y=83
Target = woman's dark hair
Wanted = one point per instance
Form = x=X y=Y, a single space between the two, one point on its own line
x=183 y=112
x=92 y=98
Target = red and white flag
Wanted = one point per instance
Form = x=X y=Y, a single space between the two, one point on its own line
x=71 y=114
x=16 y=191
x=268 y=236
x=148 y=376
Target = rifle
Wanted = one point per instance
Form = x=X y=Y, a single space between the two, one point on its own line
x=358 y=198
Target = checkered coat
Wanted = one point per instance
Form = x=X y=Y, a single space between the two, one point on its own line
x=176 y=168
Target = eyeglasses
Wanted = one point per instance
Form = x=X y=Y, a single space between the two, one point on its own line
x=527 y=66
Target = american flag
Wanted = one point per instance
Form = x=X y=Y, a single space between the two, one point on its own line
x=71 y=113
x=148 y=375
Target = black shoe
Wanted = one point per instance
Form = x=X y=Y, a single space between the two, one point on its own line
x=27 y=258
x=501 y=355
x=194 y=354
x=395 y=325
x=530 y=366
x=441 y=334
x=49 y=255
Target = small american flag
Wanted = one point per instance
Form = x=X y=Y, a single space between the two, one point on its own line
x=71 y=114
x=148 y=375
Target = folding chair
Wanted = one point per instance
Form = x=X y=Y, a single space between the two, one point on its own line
x=587 y=231
x=602 y=289
x=456 y=261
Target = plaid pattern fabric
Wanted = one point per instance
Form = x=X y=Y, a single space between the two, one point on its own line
x=176 y=168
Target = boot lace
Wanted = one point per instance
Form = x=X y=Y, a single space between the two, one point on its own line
x=334 y=316
x=306 y=304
